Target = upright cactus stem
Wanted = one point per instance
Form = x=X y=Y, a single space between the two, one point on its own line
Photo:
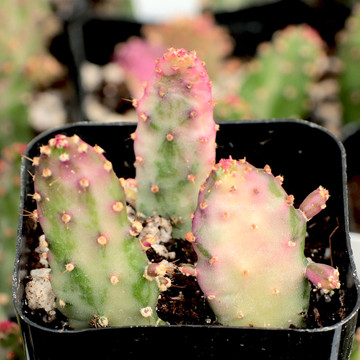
x=250 y=241
x=96 y=265
x=175 y=139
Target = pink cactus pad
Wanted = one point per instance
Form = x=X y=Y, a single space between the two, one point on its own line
x=250 y=239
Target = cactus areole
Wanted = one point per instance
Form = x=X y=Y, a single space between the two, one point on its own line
x=175 y=138
x=250 y=242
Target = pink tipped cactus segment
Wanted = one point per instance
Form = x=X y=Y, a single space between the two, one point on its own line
x=314 y=202
x=175 y=139
x=82 y=211
x=323 y=276
x=250 y=239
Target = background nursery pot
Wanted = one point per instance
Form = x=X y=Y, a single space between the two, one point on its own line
x=307 y=156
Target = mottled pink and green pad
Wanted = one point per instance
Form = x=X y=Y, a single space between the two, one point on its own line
x=96 y=266
x=250 y=239
x=175 y=139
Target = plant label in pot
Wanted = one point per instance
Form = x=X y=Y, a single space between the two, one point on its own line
x=179 y=250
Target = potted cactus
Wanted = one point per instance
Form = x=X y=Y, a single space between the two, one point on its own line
x=191 y=249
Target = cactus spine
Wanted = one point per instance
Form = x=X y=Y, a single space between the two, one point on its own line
x=250 y=240
x=97 y=267
x=175 y=139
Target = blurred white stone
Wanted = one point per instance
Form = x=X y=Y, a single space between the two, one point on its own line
x=146 y=11
x=46 y=110
x=91 y=76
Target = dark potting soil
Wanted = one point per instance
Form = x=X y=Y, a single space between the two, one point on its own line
x=184 y=302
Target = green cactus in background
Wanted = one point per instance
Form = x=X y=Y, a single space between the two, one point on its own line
x=24 y=66
x=348 y=51
x=250 y=242
x=276 y=82
x=9 y=215
x=24 y=63
x=97 y=265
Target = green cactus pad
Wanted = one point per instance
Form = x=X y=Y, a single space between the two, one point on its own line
x=96 y=266
x=276 y=83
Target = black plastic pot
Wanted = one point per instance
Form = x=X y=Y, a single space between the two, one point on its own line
x=307 y=156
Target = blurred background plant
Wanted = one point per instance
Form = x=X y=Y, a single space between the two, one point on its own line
x=348 y=52
x=27 y=73
x=291 y=75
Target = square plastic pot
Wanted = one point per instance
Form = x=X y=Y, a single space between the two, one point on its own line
x=307 y=156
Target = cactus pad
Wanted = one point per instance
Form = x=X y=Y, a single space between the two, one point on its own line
x=250 y=243
x=175 y=139
x=96 y=266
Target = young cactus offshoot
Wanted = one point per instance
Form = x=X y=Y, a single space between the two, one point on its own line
x=250 y=241
x=175 y=139
x=96 y=265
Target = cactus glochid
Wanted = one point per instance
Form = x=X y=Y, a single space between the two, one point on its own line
x=249 y=239
x=96 y=265
x=175 y=139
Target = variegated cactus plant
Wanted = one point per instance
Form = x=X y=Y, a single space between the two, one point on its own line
x=247 y=234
